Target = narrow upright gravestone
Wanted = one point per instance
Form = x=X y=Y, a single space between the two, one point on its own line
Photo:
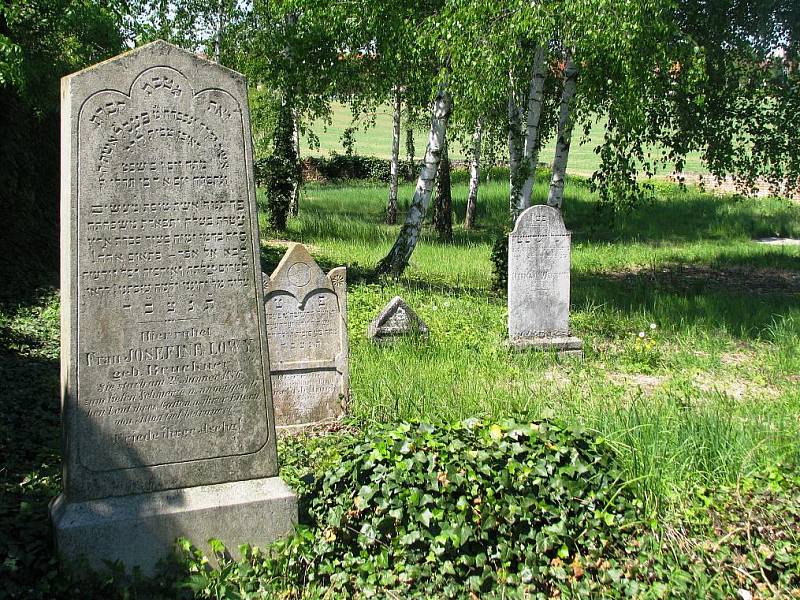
x=166 y=402
x=307 y=333
x=539 y=283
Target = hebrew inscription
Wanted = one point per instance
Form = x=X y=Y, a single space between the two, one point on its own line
x=539 y=275
x=306 y=313
x=170 y=351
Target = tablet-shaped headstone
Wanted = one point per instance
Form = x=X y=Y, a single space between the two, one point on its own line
x=396 y=320
x=539 y=282
x=307 y=332
x=165 y=369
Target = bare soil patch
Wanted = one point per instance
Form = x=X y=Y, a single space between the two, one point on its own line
x=734 y=387
x=647 y=383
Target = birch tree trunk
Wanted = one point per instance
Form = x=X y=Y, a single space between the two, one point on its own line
x=443 y=216
x=397 y=259
x=535 y=101
x=391 y=205
x=294 y=205
x=565 y=121
x=220 y=27
x=474 y=177
x=515 y=156
x=410 y=146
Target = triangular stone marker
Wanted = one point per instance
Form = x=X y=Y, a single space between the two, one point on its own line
x=395 y=321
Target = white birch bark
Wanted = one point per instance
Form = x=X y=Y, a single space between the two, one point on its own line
x=535 y=101
x=294 y=203
x=391 y=205
x=565 y=121
x=397 y=259
x=474 y=177
x=515 y=155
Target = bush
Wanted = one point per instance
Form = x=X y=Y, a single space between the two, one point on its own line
x=435 y=511
x=279 y=178
x=499 y=260
x=340 y=167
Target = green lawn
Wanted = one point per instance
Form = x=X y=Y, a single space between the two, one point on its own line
x=711 y=398
x=376 y=140
x=701 y=414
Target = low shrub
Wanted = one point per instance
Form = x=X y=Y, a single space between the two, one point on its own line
x=279 y=175
x=338 y=167
x=441 y=511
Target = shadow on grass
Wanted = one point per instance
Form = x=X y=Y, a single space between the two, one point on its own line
x=30 y=475
x=745 y=302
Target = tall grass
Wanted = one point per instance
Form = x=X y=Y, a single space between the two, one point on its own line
x=713 y=396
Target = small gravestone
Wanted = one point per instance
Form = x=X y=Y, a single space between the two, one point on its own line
x=396 y=321
x=166 y=404
x=307 y=334
x=539 y=283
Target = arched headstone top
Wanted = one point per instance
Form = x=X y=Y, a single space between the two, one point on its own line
x=298 y=274
x=540 y=220
x=158 y=53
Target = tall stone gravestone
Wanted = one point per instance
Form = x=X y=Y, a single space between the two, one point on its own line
x=539 y=283
x=307 y=332
x=166 y=402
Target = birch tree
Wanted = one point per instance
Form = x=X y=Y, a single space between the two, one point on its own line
x=640 y=69
x=396 y=260
x=295 y=49
x=516 y=156
x=474 y=177
x=555 y=196
x=535 y=105
x=391 y=205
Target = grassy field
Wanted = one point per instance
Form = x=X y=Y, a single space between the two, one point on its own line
x=377 y=141
x=701 y=412
x=711 y=393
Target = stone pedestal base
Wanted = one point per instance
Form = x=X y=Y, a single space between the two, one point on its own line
x=141 y=529
x=562 y=346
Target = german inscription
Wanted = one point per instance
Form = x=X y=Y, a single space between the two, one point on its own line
x=167 y=349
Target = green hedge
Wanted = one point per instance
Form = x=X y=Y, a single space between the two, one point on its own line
x=340 y=167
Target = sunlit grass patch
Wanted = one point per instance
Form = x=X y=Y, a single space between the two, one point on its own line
x=682 y=410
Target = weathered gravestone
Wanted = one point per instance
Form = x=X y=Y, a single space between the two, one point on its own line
x=396 y=321
x=538 y=283
x=166 y=403
x=307 y=333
